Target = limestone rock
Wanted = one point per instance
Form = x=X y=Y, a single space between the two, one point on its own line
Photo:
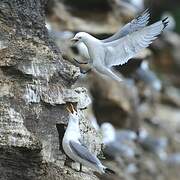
x=35 y=84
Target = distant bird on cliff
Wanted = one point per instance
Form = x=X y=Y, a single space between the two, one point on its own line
x=153 y=144
x=148 y=76
x=122 y=46
x=118 y=143
x=173 y=159
x=74 y=147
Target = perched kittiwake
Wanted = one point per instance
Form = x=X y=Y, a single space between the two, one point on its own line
x=117 y=143
x=148 y=77
x=74 y=147
x=118 y=50
x=173 y=159
x=152 y=144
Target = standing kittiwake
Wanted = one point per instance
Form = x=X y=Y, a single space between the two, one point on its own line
x=74 y=147
x=104 y=55
x=118 y=143
x=153 y=144
x=148 y=77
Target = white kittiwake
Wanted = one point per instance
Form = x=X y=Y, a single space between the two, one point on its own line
x=148 y=77
x=153 y=144
x=104 y=55
x=117 y=143
x=74 y=147
x=136 y=24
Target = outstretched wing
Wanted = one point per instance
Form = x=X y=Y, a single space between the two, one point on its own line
x=120 y=51
x=83 y=152
x=136 y=24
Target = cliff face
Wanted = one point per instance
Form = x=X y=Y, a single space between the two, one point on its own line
x=35 y=84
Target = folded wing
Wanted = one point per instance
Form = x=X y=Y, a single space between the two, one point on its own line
x=120 y=51
x=83 y=152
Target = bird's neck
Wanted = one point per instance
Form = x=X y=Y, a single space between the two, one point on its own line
x=90 y=40
x=72 y=131
x=92 y=43
x=73 y=125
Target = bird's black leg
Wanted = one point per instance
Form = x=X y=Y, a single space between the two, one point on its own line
x=85 y=72
x=80 y=62
x=80 y=167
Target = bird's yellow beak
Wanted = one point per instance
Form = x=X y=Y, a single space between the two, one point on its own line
x=70 y=108
x=74 y=40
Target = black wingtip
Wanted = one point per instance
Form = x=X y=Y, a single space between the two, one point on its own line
x=165 y=22
x=109 y=171
x=146 y=11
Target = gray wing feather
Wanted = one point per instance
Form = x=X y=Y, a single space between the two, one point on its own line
x=136 y=24
x=120 y=51
x=83 y=152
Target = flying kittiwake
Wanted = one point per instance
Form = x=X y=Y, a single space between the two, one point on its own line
x=74 y=147
x=122 y=46
x=136 y=24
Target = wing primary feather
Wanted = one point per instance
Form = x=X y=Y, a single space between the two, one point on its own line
x=83 y=152
x=136 y=24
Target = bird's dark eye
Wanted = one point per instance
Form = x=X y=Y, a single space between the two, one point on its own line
x=80 y=37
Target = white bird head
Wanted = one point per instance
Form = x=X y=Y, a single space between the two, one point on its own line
x=80 y=37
